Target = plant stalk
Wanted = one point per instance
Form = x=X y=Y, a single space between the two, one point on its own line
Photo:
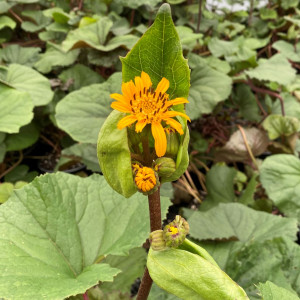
x=155 y=224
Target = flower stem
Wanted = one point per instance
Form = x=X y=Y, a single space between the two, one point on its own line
x=155 y=224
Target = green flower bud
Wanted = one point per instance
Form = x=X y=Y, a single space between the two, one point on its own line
x=165 y=166
x=157 y=241
x=175 y=232
x=172 y=142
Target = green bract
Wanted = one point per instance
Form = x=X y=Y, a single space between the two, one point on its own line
x=190 y=276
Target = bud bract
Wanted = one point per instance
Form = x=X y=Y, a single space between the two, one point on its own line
x=165 y=166
x=157 y=241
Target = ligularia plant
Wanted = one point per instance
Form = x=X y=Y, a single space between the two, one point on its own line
x=60 y=232
x=143 y=143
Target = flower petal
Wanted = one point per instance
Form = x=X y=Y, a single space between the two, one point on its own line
x=159 y=138
x=139 y=126
x=175 y=124
x=163 y=86
x=174 y=113
x=119 y=97
x=146 y=80
x=139 y=86
x=128 y=89
x=126 y=121
x=121 y=107
x=176 y=101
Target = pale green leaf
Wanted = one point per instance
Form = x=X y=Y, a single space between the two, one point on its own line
x=189 y=276
x=80 y=76
x=237 y=221
x=6 y=21
x=82 y=112
x=26 y=137
x=20 y=55
x=219 y=184
x=85 y=153
x=134 y=4
x=268 y=13
x=222 y=48
x=187 y=37
x=95 y=35
x=55 y=57
x=291 y=106
x=270 y=291
x=208 y=88
x=38 y=20
x=280 y=176
x=58 y=226
x=246 y=102
x=286 y=4
x=25 y=79
x=6 y=189
x=276 y=69
x=15 y=109
x=132 y=267
x=278 y=125
x=288 y=50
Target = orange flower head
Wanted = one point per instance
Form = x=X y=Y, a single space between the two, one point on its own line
x=145 y=179
x=146 y=106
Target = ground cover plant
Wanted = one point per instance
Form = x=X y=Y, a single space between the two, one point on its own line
x=198 y=109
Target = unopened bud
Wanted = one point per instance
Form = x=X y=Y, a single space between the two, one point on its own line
x=172 y=142
x=145 y=179
x=157 y=241
x=175 y=232
x=165 y=166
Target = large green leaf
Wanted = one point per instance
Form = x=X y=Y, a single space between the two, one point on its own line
x=55 y=57
x=95 y=35
x=278 y=125
x=6 y=21
x=237 y=221
x=20 y=55
x=132 y=267
x=276 y=69
x=288 y=50
x=189 y=276
x=248 y=264
x=270 y=291
x=280 y=176
x=208 y=88
x=27 y=136
x=39 y=20
x=159 y=54
x=85 y=153
x=80 y=76
x=58 y=226
x=28 y=80
x=291 y=106
x=219 y=183
x=15 y=109
x=82 y=112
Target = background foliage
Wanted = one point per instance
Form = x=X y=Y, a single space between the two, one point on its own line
x=59 y=64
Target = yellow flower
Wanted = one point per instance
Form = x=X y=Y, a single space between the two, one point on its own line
x=145 y=179
x=147 y=106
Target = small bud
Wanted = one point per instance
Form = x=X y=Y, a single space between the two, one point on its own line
x=165 y=166
x=172 y=142
x=175 y=232
x=157 y=241
x=145 y=179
